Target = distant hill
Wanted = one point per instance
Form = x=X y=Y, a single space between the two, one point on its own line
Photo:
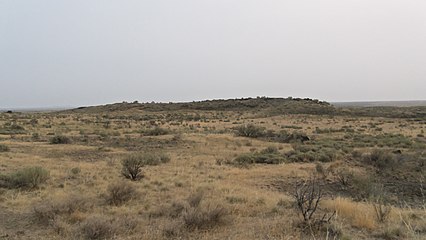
x=270 y=106
x=381 y=104
x=264 y=106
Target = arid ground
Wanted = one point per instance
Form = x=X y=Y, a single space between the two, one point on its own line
x=238 y=169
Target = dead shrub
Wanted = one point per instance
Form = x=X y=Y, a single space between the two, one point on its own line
x=308 y=195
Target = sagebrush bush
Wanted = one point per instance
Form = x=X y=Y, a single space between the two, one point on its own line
x=119 y=193
x=157 y=131
x=196 y=216
x=250 y=130
x=30 y=177
x=133 y=164
x=381 y=159
x=4 y=148
x=362 y=186
x=132 y=167
x=97 y=227
x=204 y=218
x=60 y=139
x=311 y=153
x=47 y=211
x=154 y=159
x=270 y=155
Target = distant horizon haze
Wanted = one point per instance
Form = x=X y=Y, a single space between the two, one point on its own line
x=336 y=103
x=83 y=53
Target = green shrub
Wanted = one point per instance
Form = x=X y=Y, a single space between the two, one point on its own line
x=4 y=148
x=311 y=153
x=270 y=155
x=30 y=177
x=75 y=170
x=12 y=128
x=157 y=131
x=154 y=159
x=60 y=139
x=244 y=159
x=250 y=130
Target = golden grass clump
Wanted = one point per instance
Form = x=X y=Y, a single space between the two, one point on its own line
x=360 y=215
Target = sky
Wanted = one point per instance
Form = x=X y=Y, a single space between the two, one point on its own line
x=88 y=52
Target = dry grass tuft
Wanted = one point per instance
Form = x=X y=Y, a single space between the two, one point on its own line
x=360 y=215
x=70 y=206
x=97 y=227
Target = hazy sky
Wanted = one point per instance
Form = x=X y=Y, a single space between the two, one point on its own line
x=84 y=52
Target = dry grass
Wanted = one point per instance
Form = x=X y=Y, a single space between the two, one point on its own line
x=238 y=203
x=359 y=215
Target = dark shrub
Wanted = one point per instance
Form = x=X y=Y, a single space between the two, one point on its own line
x=132 y=167
x=4 y=148
x=60 y=139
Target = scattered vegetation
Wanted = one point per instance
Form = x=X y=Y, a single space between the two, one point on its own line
x=60 y=139
x=157 y=131
x=28 y=178
x=4 y=148
x=132 y=165
x=368 y=170
x=270 y=155
x=119 y=193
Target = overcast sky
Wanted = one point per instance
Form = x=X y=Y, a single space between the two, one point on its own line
x=85 y=52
